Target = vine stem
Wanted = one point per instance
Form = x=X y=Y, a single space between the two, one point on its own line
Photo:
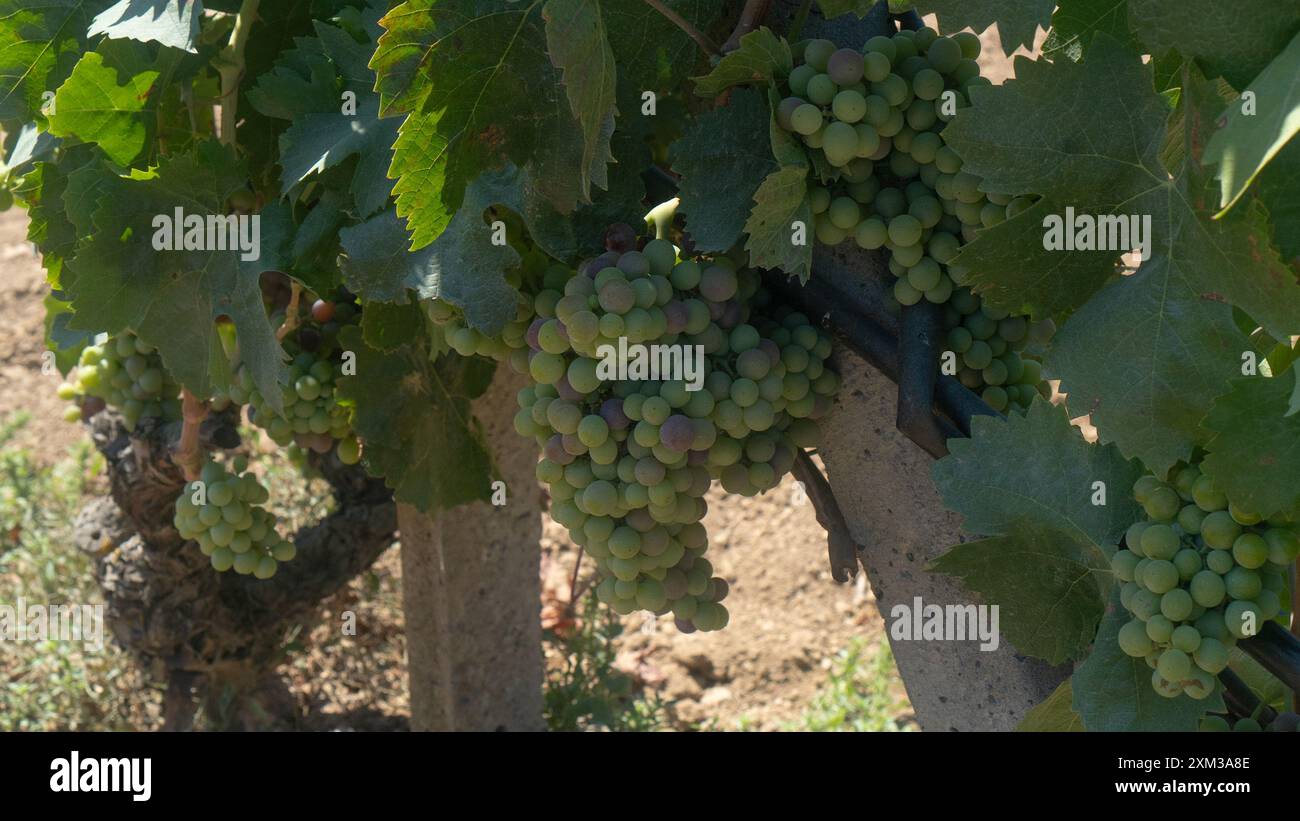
x=232 y=69
x=189 y=455
x=750 y=16
x=800 y=17
x=291 y=312
x=683 y=24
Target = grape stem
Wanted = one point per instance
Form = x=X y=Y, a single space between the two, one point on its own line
x=189 y=454
x=677 y=20
x=661 y=217
x=291 y=312
x=750 y=16
x=840 y=547
x=231 y=66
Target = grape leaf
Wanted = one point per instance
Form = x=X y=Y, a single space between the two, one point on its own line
x=415 y=418
x=762 y=57
x=26 y=147
x=39 y=42
x=463 y=266
x=478 y=87
x=722 y=159
x=579 y=48
x=1017 y=20
x=1234 y=40
x=171 y=298
x=173 y=23
x=780 y=202
x=1038 y=510
x=1243 y=146
x=1049 y=585
x=315 y=142
x=1047 y=473
x=1076 y=22
x=1054 y=714
x=1113 y=693
x=93 y=107
x=1169 y=319
x=1254 y=453
x=1279 y=190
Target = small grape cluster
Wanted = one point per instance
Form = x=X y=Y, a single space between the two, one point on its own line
x=125 y=373
x=224 y=513
x=313 y=417
x=990 y=345
x=628 y=460
x=1198 y=575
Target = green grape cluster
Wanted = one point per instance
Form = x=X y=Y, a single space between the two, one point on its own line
x=989 y=346
x=628 y=461
x=127 y=374
x=873 y=121
x=224 y=513
x=313 y=416
x=1198 y=575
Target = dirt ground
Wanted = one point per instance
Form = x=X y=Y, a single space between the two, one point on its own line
x=788 y=618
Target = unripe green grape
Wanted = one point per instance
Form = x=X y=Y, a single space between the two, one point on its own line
x=817 y=53
x=806 y=119
x=1220 y=561
x=1243 y=583
x=840 y=143
x=1219 y=530
x=821 y=89
x=1243 y=618
x=799 y=78
x=844 y=213
x=1163 y=504
x=871 y=234
x=1133 y=639
x=1250 y=550
x=1207 y=497
x=1283 y=546
x=1159 y=576
x=1176 y=605
x=1159 y=629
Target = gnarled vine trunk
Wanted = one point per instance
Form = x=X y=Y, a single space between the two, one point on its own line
x=217 y=635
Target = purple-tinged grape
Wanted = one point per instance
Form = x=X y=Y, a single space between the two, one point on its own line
x=609 y=259
x=731 y=315
x=772 y=350
x=567 y=391
x=677 y=433
x=611 y=410
x=720 y=588
x=620 y=238
x=531 y=336
x=554 y=450
x=683 y=626
x=845 y=67
x=677 y=316
x=697 y=458
x=786 y=110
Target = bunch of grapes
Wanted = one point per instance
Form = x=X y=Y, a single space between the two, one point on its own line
x=629 y=460
x=1198 y=575
x=873 y=121
x=224 y=513
x=313 y=417
x=990 y=348
x=125 y=373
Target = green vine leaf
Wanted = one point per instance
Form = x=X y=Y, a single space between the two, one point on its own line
x=1037 y=466
x=1246 y=144
x=1112 y=691
x=173 y=23
x=1050 y=586
x=1254 y=453
x=415 y=417
x=172 y=298
x=1054 y=715
x=1169 y=318
x=1233 y=40
x=761 y=58
x=579 y=48
x=38 y=45
x=723 y=158
x=93 y=107
x=836 y=8
x=1030 y=484
x=1076 y=22
x=478 y=88
x=463 y=266
x=1279 y=191
x=781 y=201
